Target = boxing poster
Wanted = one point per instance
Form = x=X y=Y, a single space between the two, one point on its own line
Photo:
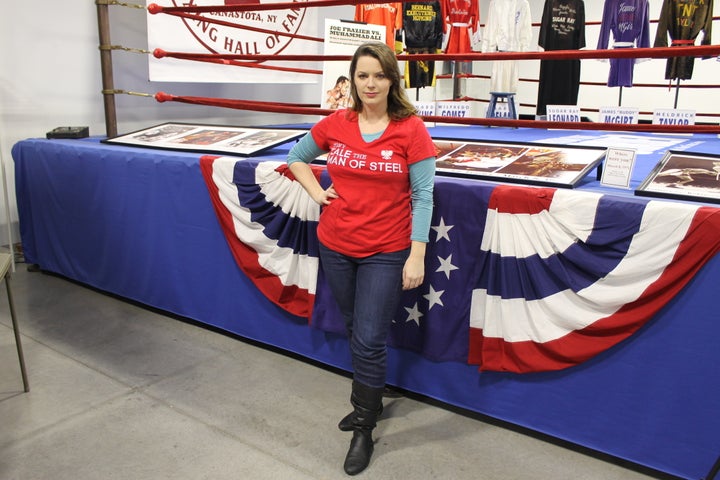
x=342 y=37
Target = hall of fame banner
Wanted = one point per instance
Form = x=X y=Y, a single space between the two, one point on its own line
x=255 y=32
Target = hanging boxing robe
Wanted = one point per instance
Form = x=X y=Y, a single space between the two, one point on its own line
x=628 y=22
x=387 y=14
x=508 y=29
x=562 y=28
x=461 y=17
x=682 y=21
x=423 y=27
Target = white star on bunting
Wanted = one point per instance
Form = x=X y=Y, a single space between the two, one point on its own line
x=433 y=298
x=413 y=314
x=442 y=230
x=446 y=266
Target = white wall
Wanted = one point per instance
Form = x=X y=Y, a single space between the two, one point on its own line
x=50 y=76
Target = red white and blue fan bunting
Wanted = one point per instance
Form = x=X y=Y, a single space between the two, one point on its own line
x=518 y=278
x=270 y=224
x=568 y=274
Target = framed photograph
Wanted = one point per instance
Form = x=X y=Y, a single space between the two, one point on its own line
x=242 y=141
x=685 y=176
x=529 y=163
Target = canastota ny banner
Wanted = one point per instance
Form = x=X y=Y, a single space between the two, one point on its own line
x=262 y=32
x=519 y=279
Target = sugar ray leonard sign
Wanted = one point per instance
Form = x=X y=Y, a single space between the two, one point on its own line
x=249 y=32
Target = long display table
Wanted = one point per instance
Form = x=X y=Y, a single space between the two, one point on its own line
x=140 y=223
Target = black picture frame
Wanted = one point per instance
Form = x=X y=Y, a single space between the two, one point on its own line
x=222 y=139
x=548 y=165
x=684 y=176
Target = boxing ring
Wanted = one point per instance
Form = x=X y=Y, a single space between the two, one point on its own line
x=140 y=223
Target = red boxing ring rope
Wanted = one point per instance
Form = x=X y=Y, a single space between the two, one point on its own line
x=154 y=8
x=272 y=107
x=221 y=59
x=655 y=52
x=244 y=27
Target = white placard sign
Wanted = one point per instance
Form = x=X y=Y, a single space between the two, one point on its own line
x=671 y=116
x=617 y=167
x=343 y=38
x=619 y=115
x=454 y=110
x=502 y=110
x=425 y=109
x=563 y=113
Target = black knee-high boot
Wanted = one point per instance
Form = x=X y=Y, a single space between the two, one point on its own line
x=346 y=424
x=365 y=401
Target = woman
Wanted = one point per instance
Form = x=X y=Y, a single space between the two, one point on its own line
x=375 y=220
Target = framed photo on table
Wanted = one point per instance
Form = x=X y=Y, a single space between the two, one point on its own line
x=535 y=164
x=684 y=176
x=244 y=141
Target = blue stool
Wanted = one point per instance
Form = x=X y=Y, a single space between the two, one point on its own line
x=508 y=98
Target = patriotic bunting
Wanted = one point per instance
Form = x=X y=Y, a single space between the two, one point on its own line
x=518 y=278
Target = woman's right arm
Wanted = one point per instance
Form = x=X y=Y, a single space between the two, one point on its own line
x=299 y=158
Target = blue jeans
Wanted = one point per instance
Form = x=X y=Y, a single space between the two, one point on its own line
x=367 y=290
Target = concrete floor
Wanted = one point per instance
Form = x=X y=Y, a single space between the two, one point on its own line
x=118 y=391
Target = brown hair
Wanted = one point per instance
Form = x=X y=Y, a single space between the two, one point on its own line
x=399 y=106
